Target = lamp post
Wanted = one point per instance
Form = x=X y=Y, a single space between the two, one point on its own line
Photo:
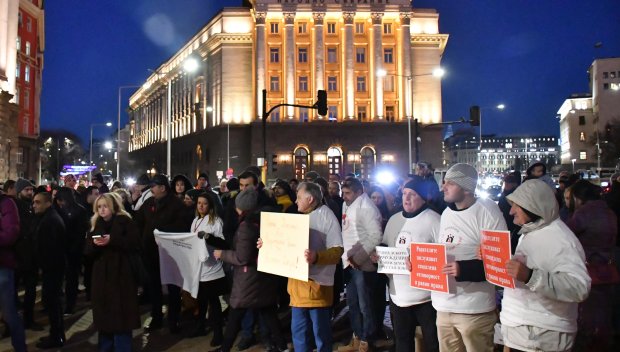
x=500 y=107
x=118 y=131
x=573 y=161
x=438 y=73
x=90 y=172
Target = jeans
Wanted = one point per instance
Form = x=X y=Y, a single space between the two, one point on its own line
x=360 y=300
x=114 y=342
x=406 y=319
x=317 y=320
x=9 y=309
x=269 y=316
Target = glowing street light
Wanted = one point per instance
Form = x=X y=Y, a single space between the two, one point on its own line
x=107 y=145
x=501 y=107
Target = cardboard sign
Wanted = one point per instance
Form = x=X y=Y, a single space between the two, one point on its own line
x=495 y=248
x=392 y=260
x=285 y=239
x=427 y=262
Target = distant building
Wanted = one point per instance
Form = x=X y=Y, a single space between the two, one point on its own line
x=503 y=153
x=375 y=60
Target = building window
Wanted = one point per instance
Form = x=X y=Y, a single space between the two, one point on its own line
x=16 y=98
x=332 y=56
x=302 y=28
x=27 y=48
x=20 y=156
x=605 y=75
x=583 y=155
x=605 y=86
x=361 y=113
x=303 y=55
x=389 y=113
x=18 y=44
x=360 y=55
x=361 y=84
x=582 y=136
x=332 y=113
x=274 y=83
x=18 y=67
x=367 y=160
x=332 y=84
x=26 y=122
x=612 y=74
x=275 y=115
x=301 y=163
x=26 y=99
x=331 y=28
x=303 y=115
x=334 y=160
x=388 y=56
x=582 y=120
x=387 y=28
x=359 y=28
x=388 y=83
x=303 y=83
x=27 y=73
x=29 y=24
x=274 y=55
x=274 y=28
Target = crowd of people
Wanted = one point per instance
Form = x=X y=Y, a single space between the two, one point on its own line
x=564 y=243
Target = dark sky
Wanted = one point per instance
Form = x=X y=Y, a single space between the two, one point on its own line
x=527 y=54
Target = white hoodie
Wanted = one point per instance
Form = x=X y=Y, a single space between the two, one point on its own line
x=559 y=280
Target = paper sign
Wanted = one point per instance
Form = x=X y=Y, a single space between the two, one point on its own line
x=495 y=248
x=392 y=260
x=285 y=239
x=427 y=262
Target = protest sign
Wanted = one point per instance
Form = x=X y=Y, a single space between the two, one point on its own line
x=285 y=239
x=427 y=262
x=392 y=260
x=495 y=250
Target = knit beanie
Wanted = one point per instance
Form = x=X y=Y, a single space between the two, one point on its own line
x=247 y=200
x=423 y=187
x=143 y=180
x=463 y=175
x=21 y=184
x=194 y=193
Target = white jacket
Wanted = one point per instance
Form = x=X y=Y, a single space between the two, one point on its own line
x=559 y=279
x=361 y=231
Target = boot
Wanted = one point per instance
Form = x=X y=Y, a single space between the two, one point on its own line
x=354 y=345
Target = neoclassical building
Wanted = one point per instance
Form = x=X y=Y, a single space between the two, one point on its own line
x=374 y=58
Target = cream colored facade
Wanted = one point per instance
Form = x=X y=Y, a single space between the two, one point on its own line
x=578 y=131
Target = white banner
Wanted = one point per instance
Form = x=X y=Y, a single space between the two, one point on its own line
x=392 y=260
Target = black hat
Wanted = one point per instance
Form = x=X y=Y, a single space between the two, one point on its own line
x=160 y=180
x=143 y=180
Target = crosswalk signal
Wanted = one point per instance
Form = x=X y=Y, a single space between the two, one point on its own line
x=321 y=103
x=474 y=115
x=274 y=162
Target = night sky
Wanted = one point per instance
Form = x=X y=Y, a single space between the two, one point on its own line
x=527 y=54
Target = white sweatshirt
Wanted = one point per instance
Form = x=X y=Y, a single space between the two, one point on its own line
x=211 y=268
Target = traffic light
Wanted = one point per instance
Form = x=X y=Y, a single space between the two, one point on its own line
x=274 y=162
x=474 y=115
x=321 y=103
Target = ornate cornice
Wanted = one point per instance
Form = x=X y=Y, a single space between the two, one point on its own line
x=348 y=17
x=405 y=18
x=318 y=18
x=259 y=18
x=289 y=18
x=377 y=17
x=438 y=41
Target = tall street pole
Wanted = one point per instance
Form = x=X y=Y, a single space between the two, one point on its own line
x=169 y=129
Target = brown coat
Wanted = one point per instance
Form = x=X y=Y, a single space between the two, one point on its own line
x=114 y=290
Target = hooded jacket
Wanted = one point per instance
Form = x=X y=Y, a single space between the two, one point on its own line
x=559 y=278
x=545 y=177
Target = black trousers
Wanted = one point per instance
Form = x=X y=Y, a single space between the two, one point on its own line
x=72 y=278
x=29 y=277
x=52 y=299
x=406 y=319
x=268 y=315
x=156 y=297
x=209 y=300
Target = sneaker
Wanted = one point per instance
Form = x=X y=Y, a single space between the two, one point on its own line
x=353 y=345
x=363 y=346
x=246 y=342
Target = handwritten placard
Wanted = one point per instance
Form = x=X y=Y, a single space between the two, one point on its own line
x=392 y=260
x=285 y=239
x=495 y=250
x=427 y=262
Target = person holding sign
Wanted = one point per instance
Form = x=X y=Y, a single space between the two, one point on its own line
x=466 y=316
x=540 y=314
x=412 y=307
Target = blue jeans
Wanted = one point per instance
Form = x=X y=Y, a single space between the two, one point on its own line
x=114 y=342
x=360 y=302
x=306 y=320
x=9 y=309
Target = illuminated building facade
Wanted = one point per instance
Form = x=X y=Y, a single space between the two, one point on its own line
x=374 y=59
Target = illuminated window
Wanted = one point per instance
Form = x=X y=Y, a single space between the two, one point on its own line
x=29 y=24
x=332 y=56
x=388 y=83
x=332 y=113
x=274 y=83
x=303 y=83
x=331 y=28
x=27 y=48
x=301 y=163
x=389 y=113
x=334 y=160
x=302 y=28
x=361 y=113
x=583 y=155
x=302 y=55
x=274 y=55
x=332 y=83
x=18 y=43
x=612 y=74
x=275 y=115
x=387 y=28
x=274 y=28
x=582 y=136
x=582 y=120
x=17 y=70
x=360 y=55
x=359 y=28
x=388 y=56
x=361 y=84
x=367 y=160
x=27 y=73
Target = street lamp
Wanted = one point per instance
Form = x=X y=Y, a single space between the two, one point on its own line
x=107 y=124
x=437 y=73
x=118 y=131
x=107 y=145
x=500 y=107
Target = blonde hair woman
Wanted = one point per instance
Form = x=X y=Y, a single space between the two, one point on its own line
x=113 y=238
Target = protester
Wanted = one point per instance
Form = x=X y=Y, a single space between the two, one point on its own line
x=203 y=181
x=284 y=195
x=334 y=177
x=538 y=170
x=141 y=192
x=511 y=182
x=126 y=199
x=8 y=188
x=114 y=238
x=540 y=314
x=100 y=183
x=378 y=197
x=293 y=183
x=466 y=316
x=180 y=185
x=251 y=289
x=411 y=307
x=116 y=185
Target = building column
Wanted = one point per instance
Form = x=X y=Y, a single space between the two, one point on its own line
x=289 y=49
x=259 y=18
x=319 y=51
x=405 y=22
x=377 y=45
x=349 y=108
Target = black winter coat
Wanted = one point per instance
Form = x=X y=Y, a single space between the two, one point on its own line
x=50 y=240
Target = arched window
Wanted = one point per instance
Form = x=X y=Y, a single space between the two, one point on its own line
x=301 y=162
x=367 y=160
x=334 y=160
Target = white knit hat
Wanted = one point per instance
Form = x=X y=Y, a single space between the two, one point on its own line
x=463 y=175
